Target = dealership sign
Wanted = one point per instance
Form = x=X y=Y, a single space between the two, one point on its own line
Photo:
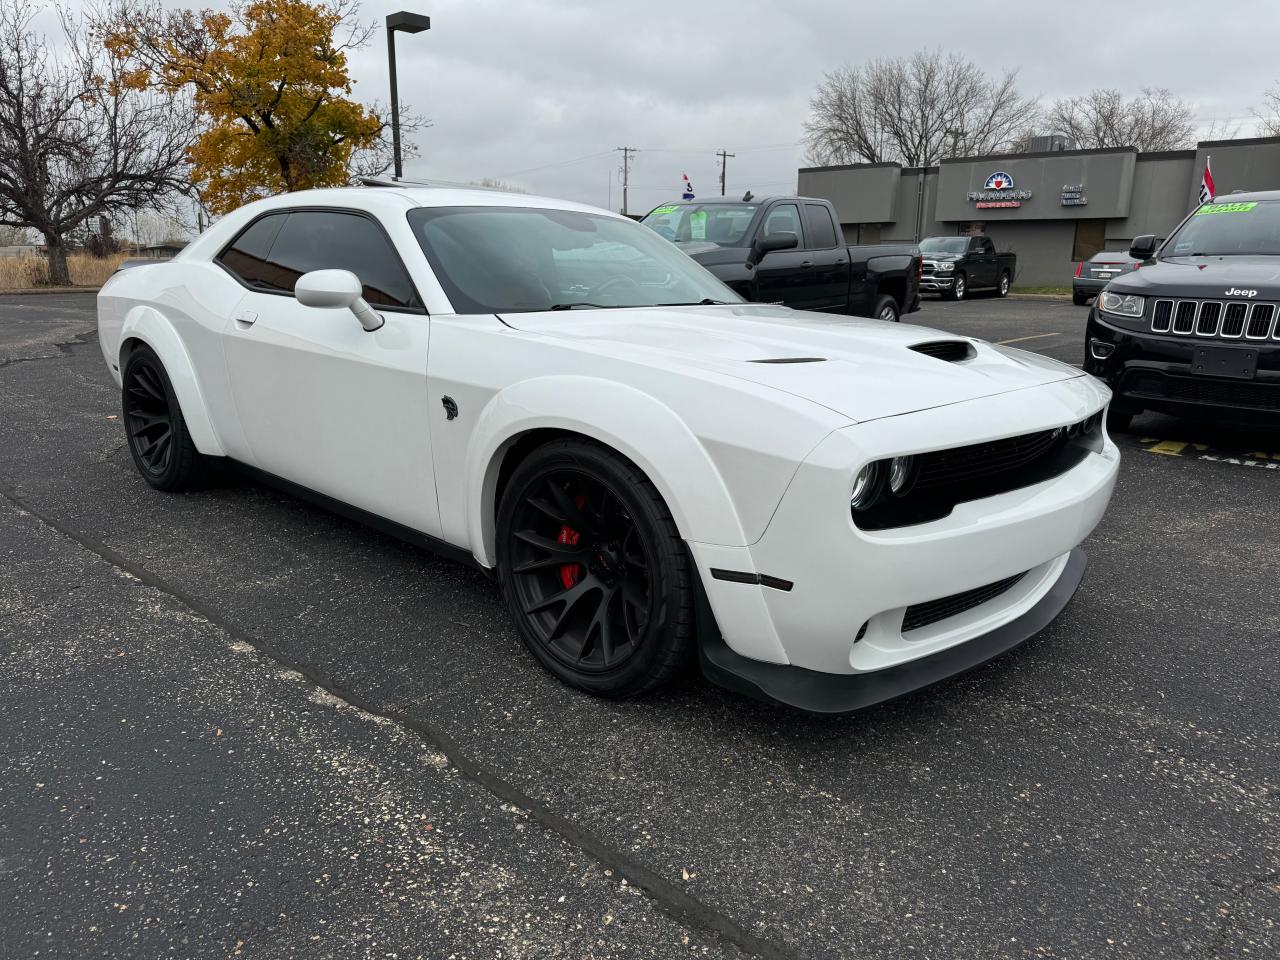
x=998 y=192
x=1073 y=195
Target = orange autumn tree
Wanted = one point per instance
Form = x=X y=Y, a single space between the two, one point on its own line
x=269 y=81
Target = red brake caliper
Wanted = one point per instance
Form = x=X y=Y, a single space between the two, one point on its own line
x=571 y=573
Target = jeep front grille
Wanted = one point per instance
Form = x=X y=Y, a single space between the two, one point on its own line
x=1220 y=319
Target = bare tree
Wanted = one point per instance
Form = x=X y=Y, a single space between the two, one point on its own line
x=74 y=142
x=915 y=110
x=490 y=183
x=1269 y=115
x=1153 y=120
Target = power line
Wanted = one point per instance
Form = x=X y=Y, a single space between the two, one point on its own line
x=548 y=166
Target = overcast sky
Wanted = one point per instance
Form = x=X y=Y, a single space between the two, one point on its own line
x=521 y=90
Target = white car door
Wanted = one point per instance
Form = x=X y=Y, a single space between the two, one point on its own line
x=323 y=403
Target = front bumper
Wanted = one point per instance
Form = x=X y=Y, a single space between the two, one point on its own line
x=831 y=693
x=851 y=589
x=937 y=282
x=1149 y=371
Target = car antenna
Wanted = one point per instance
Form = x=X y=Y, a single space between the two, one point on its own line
x=746 y=197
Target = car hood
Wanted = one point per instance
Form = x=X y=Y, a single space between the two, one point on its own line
x=1204 y=278
x=709 y=254
x=940 y=257
x=865 y=369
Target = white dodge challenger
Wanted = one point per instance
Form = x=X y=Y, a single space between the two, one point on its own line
x=826 y=511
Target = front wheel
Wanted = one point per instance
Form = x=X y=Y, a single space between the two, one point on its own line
x=593 y=570
x=959 y=287
x=1118 y=421
x=886 y=309
x=161 y=446
x=1002 y=290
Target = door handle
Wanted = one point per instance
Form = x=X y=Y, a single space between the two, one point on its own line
x=246 y=318
x=806 y=264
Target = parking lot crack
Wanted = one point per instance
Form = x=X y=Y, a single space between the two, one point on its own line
x=666 y=894
x=1226 y=913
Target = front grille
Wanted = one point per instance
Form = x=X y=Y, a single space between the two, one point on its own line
x=1255 y=396
x=960 y=464
x=926 y=268
x=1222 y=319
x=922 y=614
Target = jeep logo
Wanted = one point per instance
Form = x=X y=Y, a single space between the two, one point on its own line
x=1237 y=292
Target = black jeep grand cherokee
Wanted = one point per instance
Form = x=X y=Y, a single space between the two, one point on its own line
x=1195 y=332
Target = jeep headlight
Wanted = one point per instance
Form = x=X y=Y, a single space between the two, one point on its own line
x=1122 y=304
x=946 y=266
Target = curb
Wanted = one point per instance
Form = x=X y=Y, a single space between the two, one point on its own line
x=46 y=291
x=1040 y=296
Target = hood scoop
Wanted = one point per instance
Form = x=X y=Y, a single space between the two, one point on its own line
x=790 y=360
x=952 y=351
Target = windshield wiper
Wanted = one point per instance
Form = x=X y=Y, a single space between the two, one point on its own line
x=704 y=302
x=578 y=304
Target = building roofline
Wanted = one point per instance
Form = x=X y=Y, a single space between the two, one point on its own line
x=850 y=166
x=1246 y=142
x=1038 y=154
x=1167 y=155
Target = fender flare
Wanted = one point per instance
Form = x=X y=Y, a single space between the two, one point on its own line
x=155 y=330
x=637 y=425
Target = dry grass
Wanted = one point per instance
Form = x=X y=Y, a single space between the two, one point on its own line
x=24 y=273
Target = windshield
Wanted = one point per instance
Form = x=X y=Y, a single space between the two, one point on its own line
x=1229 y=229
x=725 y=224
x=521 y=259
x=944 y=245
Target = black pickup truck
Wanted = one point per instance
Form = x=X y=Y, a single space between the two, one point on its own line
x=788 y=250
x=956 y=266
x=1195 y=331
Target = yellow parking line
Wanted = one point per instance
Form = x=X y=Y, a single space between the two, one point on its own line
x=1170 y=448
x=1034 y=336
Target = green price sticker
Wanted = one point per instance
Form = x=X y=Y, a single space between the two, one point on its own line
x=659 y=210
x=1225 y=208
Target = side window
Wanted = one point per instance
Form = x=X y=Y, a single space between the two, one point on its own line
x=247 y=255
x=784 y=218
x=820 y=227
x=988 y=246
x=325 y=240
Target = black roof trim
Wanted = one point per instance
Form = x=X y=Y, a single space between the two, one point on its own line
x=1247 y=142
x=1167 y=155
x=848 y=166
x=1038 y=154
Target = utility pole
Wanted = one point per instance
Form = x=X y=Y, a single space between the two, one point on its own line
x=626 y=173
x=955 y=135
x=724 y=159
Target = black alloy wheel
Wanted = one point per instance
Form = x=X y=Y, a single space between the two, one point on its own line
x=594 y=571
x=161 y=447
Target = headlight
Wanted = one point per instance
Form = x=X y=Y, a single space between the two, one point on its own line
x=866 y=486
x=946 y=266
x=1122 y=304
x=901 y=470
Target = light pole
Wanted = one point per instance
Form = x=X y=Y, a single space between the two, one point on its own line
x=409 y=23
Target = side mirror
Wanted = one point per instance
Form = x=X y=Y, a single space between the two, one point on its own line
x=1144 y=247
x=337 y=290
x=772 y=242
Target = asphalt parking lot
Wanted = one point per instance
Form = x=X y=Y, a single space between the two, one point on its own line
x=236 y=725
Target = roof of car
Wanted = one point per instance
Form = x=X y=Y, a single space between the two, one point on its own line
x=1250 y=197
x=754 y=199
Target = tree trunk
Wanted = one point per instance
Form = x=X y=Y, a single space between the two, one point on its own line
x=59 y=275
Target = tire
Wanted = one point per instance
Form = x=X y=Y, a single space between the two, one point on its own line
x=959 y=287
x=886 y=309
x=1002 y=288
x=1118 y=420
x=159 y=441
x=594 y=571
x=1080 y=299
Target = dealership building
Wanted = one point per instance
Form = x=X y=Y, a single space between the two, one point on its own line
x=1052 y=208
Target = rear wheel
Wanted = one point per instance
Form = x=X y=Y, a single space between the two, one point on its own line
x=1002 y=289
x=159 y=442
x=886 y=309
x=959 y=287
x=593 y=570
